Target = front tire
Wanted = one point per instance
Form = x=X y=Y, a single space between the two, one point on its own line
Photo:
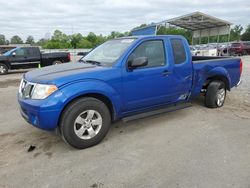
x=85 y=122
x=3 y=69
x=215 y=94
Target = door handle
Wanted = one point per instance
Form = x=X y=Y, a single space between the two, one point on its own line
x=166 y=73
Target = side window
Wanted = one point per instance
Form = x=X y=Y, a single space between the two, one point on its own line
x=178 y=51
x=153 y=50
x=20 y=52
x=34 y=52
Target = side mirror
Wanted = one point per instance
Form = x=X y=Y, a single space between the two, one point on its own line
x=14 y=54
x=138 y=62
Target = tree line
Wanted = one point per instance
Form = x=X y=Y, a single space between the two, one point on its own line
x=60 y=40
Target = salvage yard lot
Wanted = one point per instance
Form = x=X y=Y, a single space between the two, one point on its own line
x=193 y=147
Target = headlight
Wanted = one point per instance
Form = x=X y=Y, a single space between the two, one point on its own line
x=41 y=91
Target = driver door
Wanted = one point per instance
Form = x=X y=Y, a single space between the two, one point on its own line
x=18 y=58
x=149 y=85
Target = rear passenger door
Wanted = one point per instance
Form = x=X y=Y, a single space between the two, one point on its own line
x=182 y=68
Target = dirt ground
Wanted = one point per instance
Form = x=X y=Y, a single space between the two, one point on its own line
x=193 y=147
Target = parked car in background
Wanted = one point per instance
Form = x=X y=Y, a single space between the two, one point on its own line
x=83 y=54
x=30 y=57
x=239 y=48
x=194 y=51
x=124 y=78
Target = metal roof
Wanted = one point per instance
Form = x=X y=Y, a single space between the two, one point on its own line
x=196 y=21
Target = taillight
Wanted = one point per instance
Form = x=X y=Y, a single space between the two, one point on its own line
x=69 y=56
x=241 y=66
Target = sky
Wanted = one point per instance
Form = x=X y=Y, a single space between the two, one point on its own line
x=38 y=17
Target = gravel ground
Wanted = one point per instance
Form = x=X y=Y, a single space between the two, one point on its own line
x=193 y=147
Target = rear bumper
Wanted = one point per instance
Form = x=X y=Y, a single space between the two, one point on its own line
x=43 y=114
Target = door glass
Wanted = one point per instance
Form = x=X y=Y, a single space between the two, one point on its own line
x=153 y=50
x=178 y=51
x=20 y=52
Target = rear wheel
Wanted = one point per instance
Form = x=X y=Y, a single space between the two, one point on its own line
x=215 y=94
x=244 y=52
x=57 y=62
x=3 y=69
x=85 y=122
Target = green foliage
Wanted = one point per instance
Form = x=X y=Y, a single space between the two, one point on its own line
x=246 y=35
x=235 y=33
x=175 y=31
x=2 y=39
x=16 y=40
x=84 y=43
x=75 y=40
x=30 y=40
x=60 y=40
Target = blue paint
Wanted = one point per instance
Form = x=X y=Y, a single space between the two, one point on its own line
x=129 y=91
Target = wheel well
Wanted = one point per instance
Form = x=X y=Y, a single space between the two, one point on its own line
x=8 y=66
x=217 y=78
x=98 y=96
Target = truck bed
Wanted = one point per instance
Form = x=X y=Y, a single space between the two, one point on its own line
x=210 y=66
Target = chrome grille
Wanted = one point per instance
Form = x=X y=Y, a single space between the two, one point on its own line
x=26 y=88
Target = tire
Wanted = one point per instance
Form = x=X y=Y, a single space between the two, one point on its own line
x=3 y=69
x=75 y=126
x=215 y=94
x=244 y=53
x=57 y=62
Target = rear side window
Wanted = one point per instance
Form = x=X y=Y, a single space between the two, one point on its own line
x=178 y=51
x=153 y=50
x=33 y=52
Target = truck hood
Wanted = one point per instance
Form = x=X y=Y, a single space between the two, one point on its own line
x=62 y=74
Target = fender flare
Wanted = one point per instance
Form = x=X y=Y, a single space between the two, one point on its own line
x=220 y=73
x=77 y=89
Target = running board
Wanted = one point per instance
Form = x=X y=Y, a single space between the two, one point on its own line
x=155 y=112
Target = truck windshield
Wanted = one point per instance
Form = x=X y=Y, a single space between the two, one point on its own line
x=108 y=52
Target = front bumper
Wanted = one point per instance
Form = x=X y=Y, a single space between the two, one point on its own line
x=43 y=114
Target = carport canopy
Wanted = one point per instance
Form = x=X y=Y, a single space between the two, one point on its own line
x=200 y=24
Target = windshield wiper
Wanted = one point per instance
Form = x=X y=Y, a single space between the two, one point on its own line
x=93 y=62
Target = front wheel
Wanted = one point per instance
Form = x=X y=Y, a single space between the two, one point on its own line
x=85 y=122
x=215 y=94
x=3 y=69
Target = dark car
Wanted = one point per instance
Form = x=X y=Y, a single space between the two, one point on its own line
x=239 y=48
x=30 y=57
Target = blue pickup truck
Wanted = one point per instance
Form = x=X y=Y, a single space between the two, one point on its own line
x=124 y=78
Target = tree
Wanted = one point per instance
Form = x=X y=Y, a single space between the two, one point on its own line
x=235 y=33
x=175 y=31
x=42 y=42
x=84 y=43
x=2 y=39
x=30 y=40
x=16 y=40
x=246 y=35
x=59 y=40
x=75 y=40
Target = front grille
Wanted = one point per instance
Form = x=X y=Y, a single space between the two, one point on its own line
x=26 y=88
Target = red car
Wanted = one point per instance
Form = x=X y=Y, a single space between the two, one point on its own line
x=240 y=48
